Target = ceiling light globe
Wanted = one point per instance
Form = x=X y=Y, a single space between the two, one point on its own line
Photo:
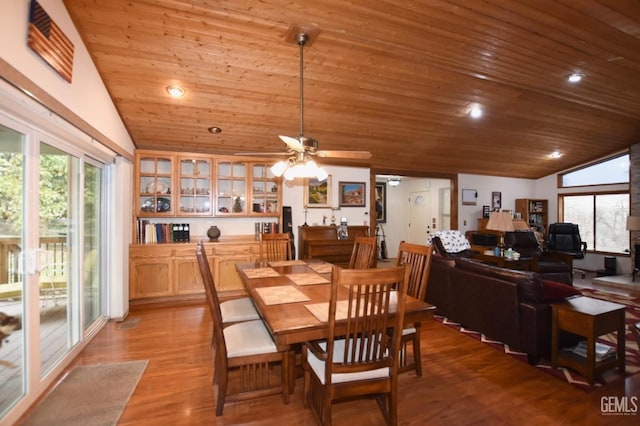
x=476 y=112
x=279 y=168
x=175 y=91
x=322 y=174
x=574 y=78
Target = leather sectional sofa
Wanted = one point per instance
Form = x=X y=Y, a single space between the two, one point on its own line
x=511 y=306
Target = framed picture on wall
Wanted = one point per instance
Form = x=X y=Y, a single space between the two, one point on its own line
x=381 y=202
x=496 y=201
x=352 y=194
x=317 y=194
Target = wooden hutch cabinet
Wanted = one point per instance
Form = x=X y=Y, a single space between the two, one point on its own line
x=177 y=187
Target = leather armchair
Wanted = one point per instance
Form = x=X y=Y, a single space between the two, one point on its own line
x=550 y=266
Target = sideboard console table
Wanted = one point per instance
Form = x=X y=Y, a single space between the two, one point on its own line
x=321 y=242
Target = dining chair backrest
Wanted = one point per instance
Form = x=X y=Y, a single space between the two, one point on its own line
x=212 y=299
x=275 y=247
x=419 y=257
x=373 y=314
x=364 y=254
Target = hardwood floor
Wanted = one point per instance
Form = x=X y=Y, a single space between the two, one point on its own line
x=465 y=382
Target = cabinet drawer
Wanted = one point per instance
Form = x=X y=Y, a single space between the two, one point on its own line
x=151 y=251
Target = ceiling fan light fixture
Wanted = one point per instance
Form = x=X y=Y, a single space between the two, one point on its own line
x=394 y=181
x=279 y=168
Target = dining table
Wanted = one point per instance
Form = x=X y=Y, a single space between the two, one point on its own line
x=292 y=297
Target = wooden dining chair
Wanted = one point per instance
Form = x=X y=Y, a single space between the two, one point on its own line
x=419 y=257
x=236 y=309
x=275 y=247
x=246 y=348
x=364 y=254
x=358 y=359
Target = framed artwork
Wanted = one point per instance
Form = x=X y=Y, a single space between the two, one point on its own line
x=469 y=197
x=352 y=194
x=317 y=194
x=496 y=201
x=381 y=202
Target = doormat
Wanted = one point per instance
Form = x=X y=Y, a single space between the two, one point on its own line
x=632 y=355
x=89 y=395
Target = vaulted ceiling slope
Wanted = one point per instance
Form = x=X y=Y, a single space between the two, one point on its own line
x=394 y=77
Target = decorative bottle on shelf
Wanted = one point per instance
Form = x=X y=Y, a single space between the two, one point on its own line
x=213 y=233
x=237 y=205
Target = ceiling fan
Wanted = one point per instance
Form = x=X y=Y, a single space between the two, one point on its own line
x=298 y=149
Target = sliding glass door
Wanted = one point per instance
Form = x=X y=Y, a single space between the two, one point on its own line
x=12 y=287
x=92 y=247
x=51 y=246
x=58 y=207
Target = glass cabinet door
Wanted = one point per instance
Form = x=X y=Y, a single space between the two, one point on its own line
x=194 y=180
x=265 y=197
x=231 y=188
x=155 y=186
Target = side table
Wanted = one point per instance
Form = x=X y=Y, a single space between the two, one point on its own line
x=589 y=318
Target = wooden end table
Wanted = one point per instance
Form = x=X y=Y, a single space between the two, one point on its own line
x=589 y=318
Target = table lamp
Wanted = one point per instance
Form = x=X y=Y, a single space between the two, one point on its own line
x=501 y=222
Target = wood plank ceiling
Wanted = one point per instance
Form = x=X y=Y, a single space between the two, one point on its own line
x=394 y=77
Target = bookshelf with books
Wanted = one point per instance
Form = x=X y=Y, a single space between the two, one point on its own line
x=535 y=212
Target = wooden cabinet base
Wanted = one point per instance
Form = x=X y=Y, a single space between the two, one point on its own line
x=159 y=273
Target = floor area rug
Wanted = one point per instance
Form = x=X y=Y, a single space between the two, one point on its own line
x=632 y=355
x=89 y=395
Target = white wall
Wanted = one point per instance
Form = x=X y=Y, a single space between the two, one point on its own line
x=511 y=189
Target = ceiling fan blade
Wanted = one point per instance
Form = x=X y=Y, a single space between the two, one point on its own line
x=292 y=143
x=360 y=155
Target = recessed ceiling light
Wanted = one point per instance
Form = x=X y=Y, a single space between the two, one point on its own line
x=555 y=154
x=214 y=129
x=175 y=91
x=475 y=112
x=575 y=77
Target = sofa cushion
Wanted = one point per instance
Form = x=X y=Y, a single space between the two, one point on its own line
x=529 y=283
x=553 y=291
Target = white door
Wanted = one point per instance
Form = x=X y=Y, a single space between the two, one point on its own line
x=419 y=214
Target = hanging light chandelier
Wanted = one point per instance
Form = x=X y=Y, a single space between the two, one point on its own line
x=300 y=164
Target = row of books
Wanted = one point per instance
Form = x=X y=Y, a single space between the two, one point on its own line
x=148 y=232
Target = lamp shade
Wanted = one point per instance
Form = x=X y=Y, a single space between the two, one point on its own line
x=633 y=223
x=500 y=221
x=520 y=225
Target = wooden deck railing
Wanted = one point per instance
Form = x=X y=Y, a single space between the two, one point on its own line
x=10 y=249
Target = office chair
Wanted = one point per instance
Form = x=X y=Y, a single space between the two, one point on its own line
x=564 y=238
